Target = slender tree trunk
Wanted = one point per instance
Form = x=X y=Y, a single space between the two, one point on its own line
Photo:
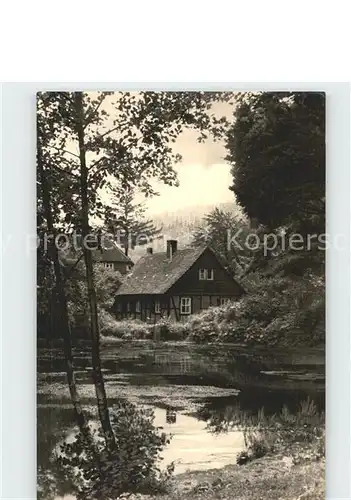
x=94 y=325
x=62 y=303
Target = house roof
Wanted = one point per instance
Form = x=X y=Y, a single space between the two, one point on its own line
x=111 y=255
x=155 y=273
x=114 y=254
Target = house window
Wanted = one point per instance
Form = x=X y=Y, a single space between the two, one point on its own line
x=223 y=301
x=128 y=307
x=206 y=274
x=185 y=305
x=157 y=306
x=202 y=274
x=137 y=306
x=108 y=265
x=129 y=267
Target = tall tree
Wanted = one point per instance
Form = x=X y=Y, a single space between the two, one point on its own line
x=276 y=146
x=52 y=255
x=125 y=218
x=80 y=117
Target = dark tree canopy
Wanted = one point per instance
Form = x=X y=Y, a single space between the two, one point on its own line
x=276 y=147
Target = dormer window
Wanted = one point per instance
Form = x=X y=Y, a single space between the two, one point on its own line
x=206 y=274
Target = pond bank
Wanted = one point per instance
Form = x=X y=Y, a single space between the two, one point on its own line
x=267 y=478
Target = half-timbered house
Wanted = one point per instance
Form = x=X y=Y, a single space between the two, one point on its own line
x=176 y=284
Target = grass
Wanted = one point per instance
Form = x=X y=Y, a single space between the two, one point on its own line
x=267 y=478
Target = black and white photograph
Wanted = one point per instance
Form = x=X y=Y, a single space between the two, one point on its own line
x=181 y=242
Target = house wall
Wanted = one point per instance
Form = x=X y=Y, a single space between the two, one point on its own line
x=170 y=305
x=147 y=307
x=198 y=303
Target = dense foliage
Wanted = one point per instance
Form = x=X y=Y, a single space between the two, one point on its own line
x=276 y=146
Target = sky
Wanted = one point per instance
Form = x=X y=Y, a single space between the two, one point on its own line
x=203 y=174
x=204 y=177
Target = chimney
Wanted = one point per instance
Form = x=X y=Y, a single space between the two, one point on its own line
x=149 y=250
x=171 y=248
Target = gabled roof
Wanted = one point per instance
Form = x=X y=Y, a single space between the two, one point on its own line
x=154 y=274
x=111 y=255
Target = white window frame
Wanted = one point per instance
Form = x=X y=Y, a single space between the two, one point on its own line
x=223 y=301
x=129 y=267
x=202 y=274
x=210 y=274
x=138 y=306
x=108 y=265
x=157 y=306
x=128 y=307
x=185 y=305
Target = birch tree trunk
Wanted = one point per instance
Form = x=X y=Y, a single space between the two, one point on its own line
x=94 y=325
x=62 y=303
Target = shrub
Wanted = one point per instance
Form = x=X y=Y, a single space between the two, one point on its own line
x=132 y=467
x=259 y=443
x=171 y=330
x=275 y=310
x=128 y=329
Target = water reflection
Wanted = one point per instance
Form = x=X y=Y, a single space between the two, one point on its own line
x=192 y=446
x=171 y=416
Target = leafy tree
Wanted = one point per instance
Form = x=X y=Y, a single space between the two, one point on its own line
x=276 y=146
x=43 y=162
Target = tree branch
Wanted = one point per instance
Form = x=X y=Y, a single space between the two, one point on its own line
x=89 y=120
x=109 y=132
x=96 y=162
x=65 y=171
x=65 y=151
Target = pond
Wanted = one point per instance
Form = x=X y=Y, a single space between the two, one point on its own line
x=186 y=385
